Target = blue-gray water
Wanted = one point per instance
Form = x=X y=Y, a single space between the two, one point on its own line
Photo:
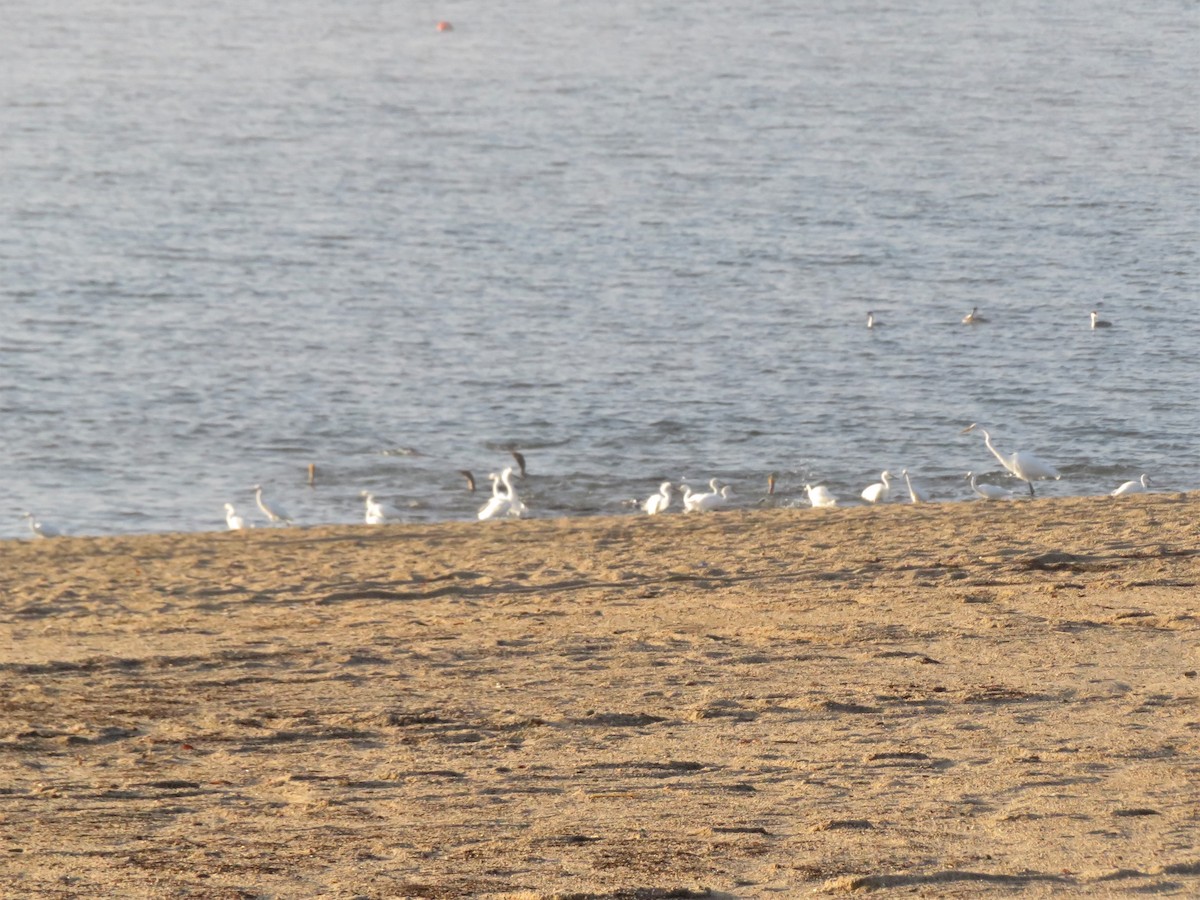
x=637 y=241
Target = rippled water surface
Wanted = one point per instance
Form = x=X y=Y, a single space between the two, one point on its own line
x=634 y=241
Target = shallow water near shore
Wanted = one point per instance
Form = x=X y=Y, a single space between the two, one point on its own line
x=633 y=245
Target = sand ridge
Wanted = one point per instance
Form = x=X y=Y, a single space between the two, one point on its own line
x=947 y=699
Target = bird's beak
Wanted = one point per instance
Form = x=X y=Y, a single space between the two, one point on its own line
x=970 y=427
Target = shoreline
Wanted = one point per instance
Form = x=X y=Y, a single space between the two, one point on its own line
x=966 y=698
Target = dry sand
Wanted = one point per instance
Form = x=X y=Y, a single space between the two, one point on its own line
x=939 y=700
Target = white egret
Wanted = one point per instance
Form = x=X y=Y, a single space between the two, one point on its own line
x=507 y=503
x=374 y=513
x=1023 y=465
x=819 y=496
x=273 y=511
x=870 y=320
x=691 y=498
x=880 y=491
x=232 y=519
x=1098 y=322
x=989 y=491
x=913 y=493
x=40 y=529
x=1133 y=487
x=515 y=506
x=659 y=502
x=497 y=503
x=973 y=317
x=710 y=501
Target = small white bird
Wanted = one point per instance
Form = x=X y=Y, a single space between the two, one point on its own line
x=507 y=503
x=989 y=491
x=1098 y=322
x=659 y=502
x=819 y=496
x=973 y=317
x=694 y=502
x=880 y=491
x=710 y=501
x=39 y=528
x=1023 y=465
x=871 y=320
x=1133 y=487
x=374 y=513
x=913 y=493
x=232 y=519
x=273 y=511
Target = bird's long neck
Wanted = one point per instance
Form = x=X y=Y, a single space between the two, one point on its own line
x=987 y=439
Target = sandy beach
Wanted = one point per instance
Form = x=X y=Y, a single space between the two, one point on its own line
x=938 y=700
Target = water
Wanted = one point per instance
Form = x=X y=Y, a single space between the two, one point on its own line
x=637 y=241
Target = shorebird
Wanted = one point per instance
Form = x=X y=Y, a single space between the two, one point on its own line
x=710 y=501
x=273 y=511
x=1023 y=465
x=989 y=491
x=973 y=317
x=1097 y=322
x=660 y=501
x=519 y=457
x=40 y=529
x=1133 y=487
x=507 y=503
x=374 y=513
x=232 y=519
x=880 y=491
x=819 y=496
x=913 y=494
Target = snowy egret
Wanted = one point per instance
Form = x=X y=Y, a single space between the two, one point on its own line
x=659 y=502
x=913 y=493
x=515 y=506
x=819 y=496
x=232 y=519
x=507 y=503
x=1023 y=465
x=39 y=528
x=273 y=511
x=691 y=498
x=973 y=317
x=710 y=501
x=1133 y=487
x=1098 y=322
x=880 y=491
x=989 y=491
x=374 y=513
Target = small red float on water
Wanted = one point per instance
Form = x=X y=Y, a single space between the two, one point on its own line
x=444 y=26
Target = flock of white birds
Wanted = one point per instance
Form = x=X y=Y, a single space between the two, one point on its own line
x=507 y=504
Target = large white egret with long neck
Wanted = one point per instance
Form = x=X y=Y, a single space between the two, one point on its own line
x=1023 y=465
x=819 y=496
x=660 y=501
x=273 y=511
x=1133 y=487
x=880 y=491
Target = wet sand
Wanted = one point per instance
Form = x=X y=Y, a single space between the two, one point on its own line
x=939 y=700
